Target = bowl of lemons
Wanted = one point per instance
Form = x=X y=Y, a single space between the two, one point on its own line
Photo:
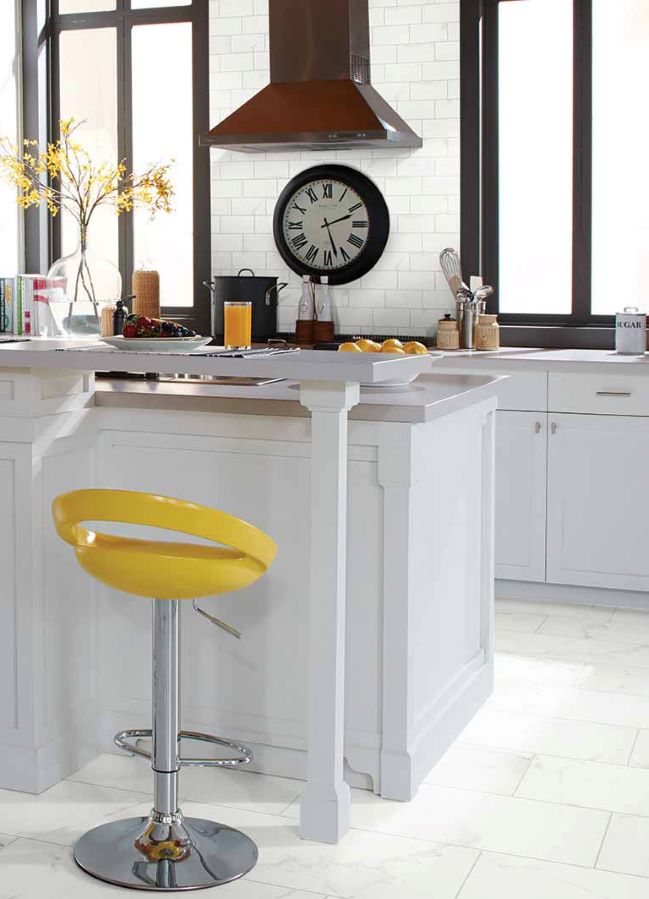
x=391 y=346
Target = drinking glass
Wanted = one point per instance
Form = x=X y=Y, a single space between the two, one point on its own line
x=237 y=318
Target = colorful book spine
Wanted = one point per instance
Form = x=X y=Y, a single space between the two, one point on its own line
x=7 y=295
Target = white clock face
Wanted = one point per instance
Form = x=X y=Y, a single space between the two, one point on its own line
x=326 y=224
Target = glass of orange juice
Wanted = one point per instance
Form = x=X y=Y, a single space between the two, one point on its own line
x=237 y=319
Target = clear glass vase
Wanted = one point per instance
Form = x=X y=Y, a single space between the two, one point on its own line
x=80 y=285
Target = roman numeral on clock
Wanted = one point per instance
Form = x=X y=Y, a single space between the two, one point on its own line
x=328 y=258
x=299 y=208
x=295 y=226
x=299 y=241
x=360 y=224
x=312 y=253
x=311 y=194
x=345 y=255
x=355 y=240
x=327 y=191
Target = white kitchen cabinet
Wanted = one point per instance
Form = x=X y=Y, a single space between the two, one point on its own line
x=521 y=482
x=598 y=481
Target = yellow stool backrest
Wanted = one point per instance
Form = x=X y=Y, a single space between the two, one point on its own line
x=162 y=569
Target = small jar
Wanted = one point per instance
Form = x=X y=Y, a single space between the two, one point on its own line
x=487 y=333
x=448 y=334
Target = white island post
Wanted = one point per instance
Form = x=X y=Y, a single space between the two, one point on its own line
x=46 y=389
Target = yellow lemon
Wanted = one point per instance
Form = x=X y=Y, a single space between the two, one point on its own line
x=414 y=348
x=389 y=346
x=393 y=349
x=368 y=346
x=349 y=348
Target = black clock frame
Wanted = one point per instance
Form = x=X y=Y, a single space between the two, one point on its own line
x=378 y=217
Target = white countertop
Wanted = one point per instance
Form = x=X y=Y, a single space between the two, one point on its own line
x=306 y=365
x=430 y=396
x=521 y=358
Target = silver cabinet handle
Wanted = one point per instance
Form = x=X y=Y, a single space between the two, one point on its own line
x=613 y=393
x=553 y=427
x=537 y=427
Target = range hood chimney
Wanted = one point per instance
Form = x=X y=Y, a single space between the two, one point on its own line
x=320 y=96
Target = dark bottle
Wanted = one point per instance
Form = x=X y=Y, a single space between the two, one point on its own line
x=119 y=317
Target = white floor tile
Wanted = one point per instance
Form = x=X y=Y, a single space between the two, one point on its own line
x=361 y=866
x=573 y=649
x=486 y=821
x=565 y=610
x=523 y=732
x=617 y=630
x=33 y=870
x=503 y=877
x=625 y=846
x=65 y=811
x=614 y=788
x=614 y=679
x=522 y=622
x=478 y=768
x=625 y=710
x=241 y=789
x=640 y=755
x=524 y=670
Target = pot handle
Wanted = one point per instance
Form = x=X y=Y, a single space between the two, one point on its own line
x=252 y=274
x=278 y=288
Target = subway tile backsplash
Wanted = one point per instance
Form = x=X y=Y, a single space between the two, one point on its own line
x=415 y=66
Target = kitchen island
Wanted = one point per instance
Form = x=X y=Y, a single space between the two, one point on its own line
x=368 y=643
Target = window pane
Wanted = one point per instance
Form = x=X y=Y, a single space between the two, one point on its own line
x=67 y=6
x=9 y=216
x=535 y=102
x=620 y=141
x=152 y=4
x=88 y=73
x=162 y=130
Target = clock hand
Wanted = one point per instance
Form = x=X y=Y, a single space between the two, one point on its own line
x=335 y=221
x=333 y=245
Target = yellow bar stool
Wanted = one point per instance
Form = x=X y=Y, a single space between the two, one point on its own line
x=165 y=851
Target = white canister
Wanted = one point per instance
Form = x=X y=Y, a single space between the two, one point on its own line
x=631 y=332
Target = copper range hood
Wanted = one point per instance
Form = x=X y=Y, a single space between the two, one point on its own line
x=320 y=96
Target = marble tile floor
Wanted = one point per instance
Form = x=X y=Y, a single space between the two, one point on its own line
x=545 y=793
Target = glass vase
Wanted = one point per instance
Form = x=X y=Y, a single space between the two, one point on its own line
x=81 y=284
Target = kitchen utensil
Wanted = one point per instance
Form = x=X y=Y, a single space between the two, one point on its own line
x=630 y=332
x=482 y=294
x=467 y=335
x=263 y=293
x=452 y=268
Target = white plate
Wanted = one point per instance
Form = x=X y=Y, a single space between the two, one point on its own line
x=157 y=344
x=400 y=382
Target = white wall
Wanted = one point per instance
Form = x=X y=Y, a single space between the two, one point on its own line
x=415 y=65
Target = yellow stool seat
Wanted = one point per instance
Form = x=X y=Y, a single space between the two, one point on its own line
x=156 y=568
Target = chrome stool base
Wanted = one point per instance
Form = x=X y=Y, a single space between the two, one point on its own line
x=165 y=852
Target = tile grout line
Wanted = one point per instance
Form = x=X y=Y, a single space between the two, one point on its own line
x=632 y=750
x=468 y=874
x=524 y=775
x=601 y=845
x=538 y=629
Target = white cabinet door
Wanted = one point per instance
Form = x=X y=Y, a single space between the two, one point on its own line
x=521 y=469
x=597 y=480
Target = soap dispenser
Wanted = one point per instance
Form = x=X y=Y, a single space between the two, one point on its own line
x=305 y=324
x=324 y=326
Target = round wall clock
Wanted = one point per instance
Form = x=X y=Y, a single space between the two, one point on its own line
x=331 y=220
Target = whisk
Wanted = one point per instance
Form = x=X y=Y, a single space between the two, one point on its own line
x=452 y=268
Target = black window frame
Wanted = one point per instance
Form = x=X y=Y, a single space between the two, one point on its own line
x=42 y=105
x=480 y=177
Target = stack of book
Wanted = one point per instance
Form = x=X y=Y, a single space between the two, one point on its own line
x=25 y=305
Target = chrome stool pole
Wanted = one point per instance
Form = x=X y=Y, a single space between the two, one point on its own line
x=166 y=851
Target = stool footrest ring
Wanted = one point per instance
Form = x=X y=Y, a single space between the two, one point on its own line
x=122 y=739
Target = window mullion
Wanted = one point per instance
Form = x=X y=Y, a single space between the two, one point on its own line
x=583 y=159
x=125 y=143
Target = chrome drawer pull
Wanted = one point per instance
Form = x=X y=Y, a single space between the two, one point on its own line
x=613 y=393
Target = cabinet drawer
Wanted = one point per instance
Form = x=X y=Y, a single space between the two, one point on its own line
x=600 y=394
x=524 y=391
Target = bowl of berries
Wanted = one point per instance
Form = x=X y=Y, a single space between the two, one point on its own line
x=156 y=335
